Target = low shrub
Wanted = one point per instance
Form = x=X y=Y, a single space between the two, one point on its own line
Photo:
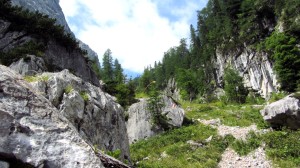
x=244 y=147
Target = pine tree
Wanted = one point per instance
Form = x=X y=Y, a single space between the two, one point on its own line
x=107 y=71
x=118 y=72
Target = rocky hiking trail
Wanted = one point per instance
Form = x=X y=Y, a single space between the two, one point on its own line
x=231 y=159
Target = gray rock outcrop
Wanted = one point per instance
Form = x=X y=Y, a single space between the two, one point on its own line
x=255 y=68
x=94 y=113
x=172 y=90
x=11 y=39
x=47 y=7
x=139 y=124
x=34 y=132
x=285 y=112
x=30 y=65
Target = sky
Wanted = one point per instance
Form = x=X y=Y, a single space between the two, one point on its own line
x=138 y=32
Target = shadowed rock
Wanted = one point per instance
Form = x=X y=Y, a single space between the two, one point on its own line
x=285 y=112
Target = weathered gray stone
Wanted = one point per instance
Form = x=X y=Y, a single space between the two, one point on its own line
x=33 y=131
x=254 y=67
x=172 y=90
x=30 y=65
x=11 y=39
x=59 y=58
x=285 y=112
x=94 y=113
x=4 y=165
x=139 y=124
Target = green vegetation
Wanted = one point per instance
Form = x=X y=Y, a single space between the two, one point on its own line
x=31 y=47
x=96 y=68
x=69 y=89
x=36 y=78
x=227 y=27
x=244 y=147
x=171 y=148
x=115 y=81
x=155 y=105
x=116 y=154
x=283 y=147
x=286 y=55
x=234 y=87
x=149 y=153
x=277 y=96
x=85 y=96
x=231 y=115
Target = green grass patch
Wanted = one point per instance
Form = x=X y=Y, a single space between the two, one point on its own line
x=85 y=96
x=36 y=78
x=244 y=147
x=115 y=154
x=148 y=153
x=283 y=147
x=140 y=95
x=231 y=115
x=69 y=89
x=277 y=96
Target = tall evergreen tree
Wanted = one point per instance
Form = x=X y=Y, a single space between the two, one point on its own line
x=107 y=71
x=118 y=72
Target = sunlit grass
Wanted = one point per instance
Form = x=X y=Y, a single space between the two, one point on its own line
x=231 y=115
x=36 y=78
x=171 y=149
x=149 y=153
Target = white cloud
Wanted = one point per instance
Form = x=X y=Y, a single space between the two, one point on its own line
x=132 y=29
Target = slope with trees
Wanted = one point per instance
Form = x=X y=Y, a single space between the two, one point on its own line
x=225 y=26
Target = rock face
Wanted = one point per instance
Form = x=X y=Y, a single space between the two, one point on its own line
x=94 y=113
x=56 y=56
x=254 y=67
x=139 y=124
x=59 y=58
x=47 y=7
x=285 y=112
x=33 y=132
x=172 y=89
x=11 y=39
x=30 y=65
x=53 y=10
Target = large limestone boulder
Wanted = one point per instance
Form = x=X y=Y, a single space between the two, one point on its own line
x=140 y=125
x=285 y=112
x=94 y=113
x=30 y=65
x=32 y=131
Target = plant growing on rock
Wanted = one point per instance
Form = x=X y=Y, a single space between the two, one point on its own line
x=69 y=89
x=85 y=96
x=155 y=105
x=36 y=78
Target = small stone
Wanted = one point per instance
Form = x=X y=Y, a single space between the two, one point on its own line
x=164 y=155
x=209 y=139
